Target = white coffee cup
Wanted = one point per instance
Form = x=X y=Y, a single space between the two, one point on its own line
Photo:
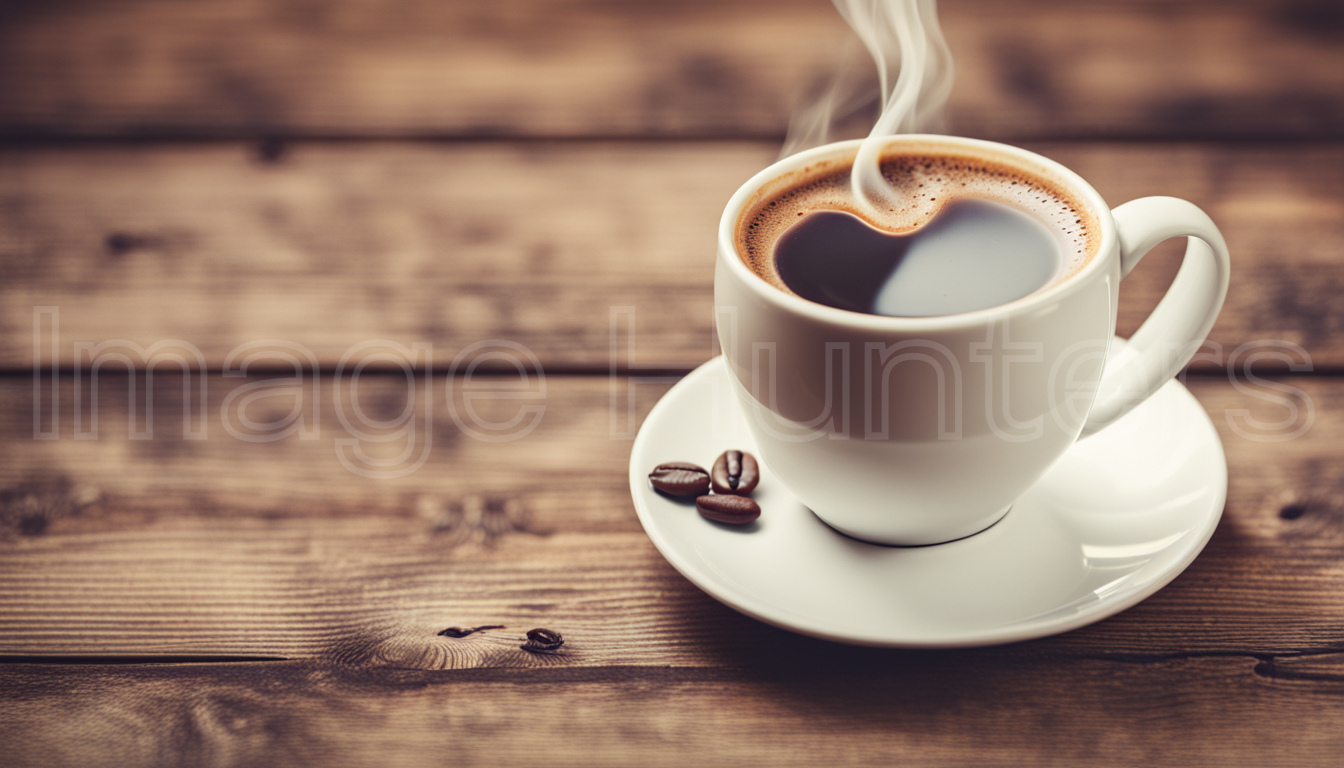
x=922 y=430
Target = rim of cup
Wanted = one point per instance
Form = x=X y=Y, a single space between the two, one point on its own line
x=1051 y=170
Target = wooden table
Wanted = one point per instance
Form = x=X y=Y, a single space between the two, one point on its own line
x=549 y=173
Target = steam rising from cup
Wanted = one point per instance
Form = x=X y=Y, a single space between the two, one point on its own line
x=914 y=68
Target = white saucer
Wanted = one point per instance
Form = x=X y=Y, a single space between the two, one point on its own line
x=1118 y=518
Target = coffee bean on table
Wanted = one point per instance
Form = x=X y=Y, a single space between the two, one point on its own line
x=541 y=640
x=680 y=478
x=734 y=510
x=735 y=472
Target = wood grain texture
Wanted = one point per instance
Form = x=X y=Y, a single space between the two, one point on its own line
x=848 y=707
x=115 y=546
x=382 y=170
x=331 y=244
x=130 y=554
x=621 y=68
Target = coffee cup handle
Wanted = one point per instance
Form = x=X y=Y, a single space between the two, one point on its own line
x=1176 y=329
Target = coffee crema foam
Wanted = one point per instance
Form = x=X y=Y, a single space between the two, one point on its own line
x=924 y=182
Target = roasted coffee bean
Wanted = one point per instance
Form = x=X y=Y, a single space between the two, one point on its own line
x=735 y=472
x=680 y=478
x=735 y=510
x=540 y=640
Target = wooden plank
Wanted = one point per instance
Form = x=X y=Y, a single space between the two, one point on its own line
x=170 y=546
x=399 y=68
x=809 y=703
x=542 y=244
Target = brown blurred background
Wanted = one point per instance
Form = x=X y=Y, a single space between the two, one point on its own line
x=325 y=173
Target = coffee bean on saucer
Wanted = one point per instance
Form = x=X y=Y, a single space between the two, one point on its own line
x=680 y=478
x=736 y=473
x=734 y=510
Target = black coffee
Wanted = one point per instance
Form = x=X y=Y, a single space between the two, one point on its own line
x=969 y=234
x=974 y=254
